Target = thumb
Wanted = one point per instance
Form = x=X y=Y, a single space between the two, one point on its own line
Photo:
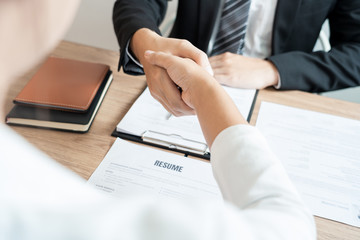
x=203 y=60
x=159 y=59
x=190 y=51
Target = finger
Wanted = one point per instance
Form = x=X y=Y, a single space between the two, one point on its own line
x=179 y=107
x=160 y=59
x=169 y=65
x=168 y=109
x=187 y=50
x=223 y=70
x=216 y=57
x=158 y=96
x=167 y=93
x=172 y=97
x=154 y=77
x=216 y=64
x=217 y=61
x=200 y=58
x=162 y=101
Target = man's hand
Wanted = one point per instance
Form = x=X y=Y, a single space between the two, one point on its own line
x=244 y=72
x=162 y=88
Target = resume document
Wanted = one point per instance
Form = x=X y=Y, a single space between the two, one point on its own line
x=130 y=168
x=321 y=155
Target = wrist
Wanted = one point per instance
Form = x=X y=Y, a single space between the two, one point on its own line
x=142 y=40
x=215 y=109
x=200 y=89
x=271 y=75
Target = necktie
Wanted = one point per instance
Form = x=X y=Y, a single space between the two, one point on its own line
x=232 y=29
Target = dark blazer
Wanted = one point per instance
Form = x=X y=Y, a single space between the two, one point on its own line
x=297 y=25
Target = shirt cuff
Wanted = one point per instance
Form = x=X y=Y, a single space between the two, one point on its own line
x=131 y=56
x=278 y=86
x=130 y=64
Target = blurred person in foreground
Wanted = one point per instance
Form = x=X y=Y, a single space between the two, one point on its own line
x=40 y=199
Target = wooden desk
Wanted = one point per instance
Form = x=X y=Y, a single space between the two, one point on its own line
x=83 y=152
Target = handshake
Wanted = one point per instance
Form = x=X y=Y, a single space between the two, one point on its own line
x=201 y=93
x=177 y=63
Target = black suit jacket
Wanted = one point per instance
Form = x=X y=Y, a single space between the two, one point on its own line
x=297 y=25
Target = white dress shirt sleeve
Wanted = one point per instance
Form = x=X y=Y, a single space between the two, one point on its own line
x=39 y=199
x=253 y=179
x=130 y=64
x=131 y=57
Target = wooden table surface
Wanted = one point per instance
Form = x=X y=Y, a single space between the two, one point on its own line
x=83 y=152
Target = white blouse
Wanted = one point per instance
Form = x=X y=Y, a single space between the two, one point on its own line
x=40 y=199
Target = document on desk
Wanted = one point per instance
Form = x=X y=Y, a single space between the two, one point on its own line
x=148 y=119
x=321 y=154
x=130 y=168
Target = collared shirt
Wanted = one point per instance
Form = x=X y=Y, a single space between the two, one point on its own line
x=258 y=38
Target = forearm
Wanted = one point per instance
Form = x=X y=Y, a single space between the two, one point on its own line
x=253 y=179
x=132 y=15
x=320 y=71
x=215 y=109
x=142 y=40
x=247 y=172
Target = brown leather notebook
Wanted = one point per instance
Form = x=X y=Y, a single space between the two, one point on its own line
x=63 y=84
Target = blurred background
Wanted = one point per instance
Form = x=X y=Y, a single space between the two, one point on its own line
x=93 y=26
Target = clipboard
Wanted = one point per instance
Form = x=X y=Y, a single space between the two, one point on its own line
x=174 y=142
x=149 y=138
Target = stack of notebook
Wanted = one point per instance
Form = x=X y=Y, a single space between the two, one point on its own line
x=64 y=94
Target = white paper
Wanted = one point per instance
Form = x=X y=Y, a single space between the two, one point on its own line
x=321 y=154
x=130 y=168
x=148 y=114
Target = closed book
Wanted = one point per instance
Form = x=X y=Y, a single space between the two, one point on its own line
x=59 y=119
x=63 y=84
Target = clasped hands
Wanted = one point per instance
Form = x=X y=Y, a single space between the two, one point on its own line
x=182 y=64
